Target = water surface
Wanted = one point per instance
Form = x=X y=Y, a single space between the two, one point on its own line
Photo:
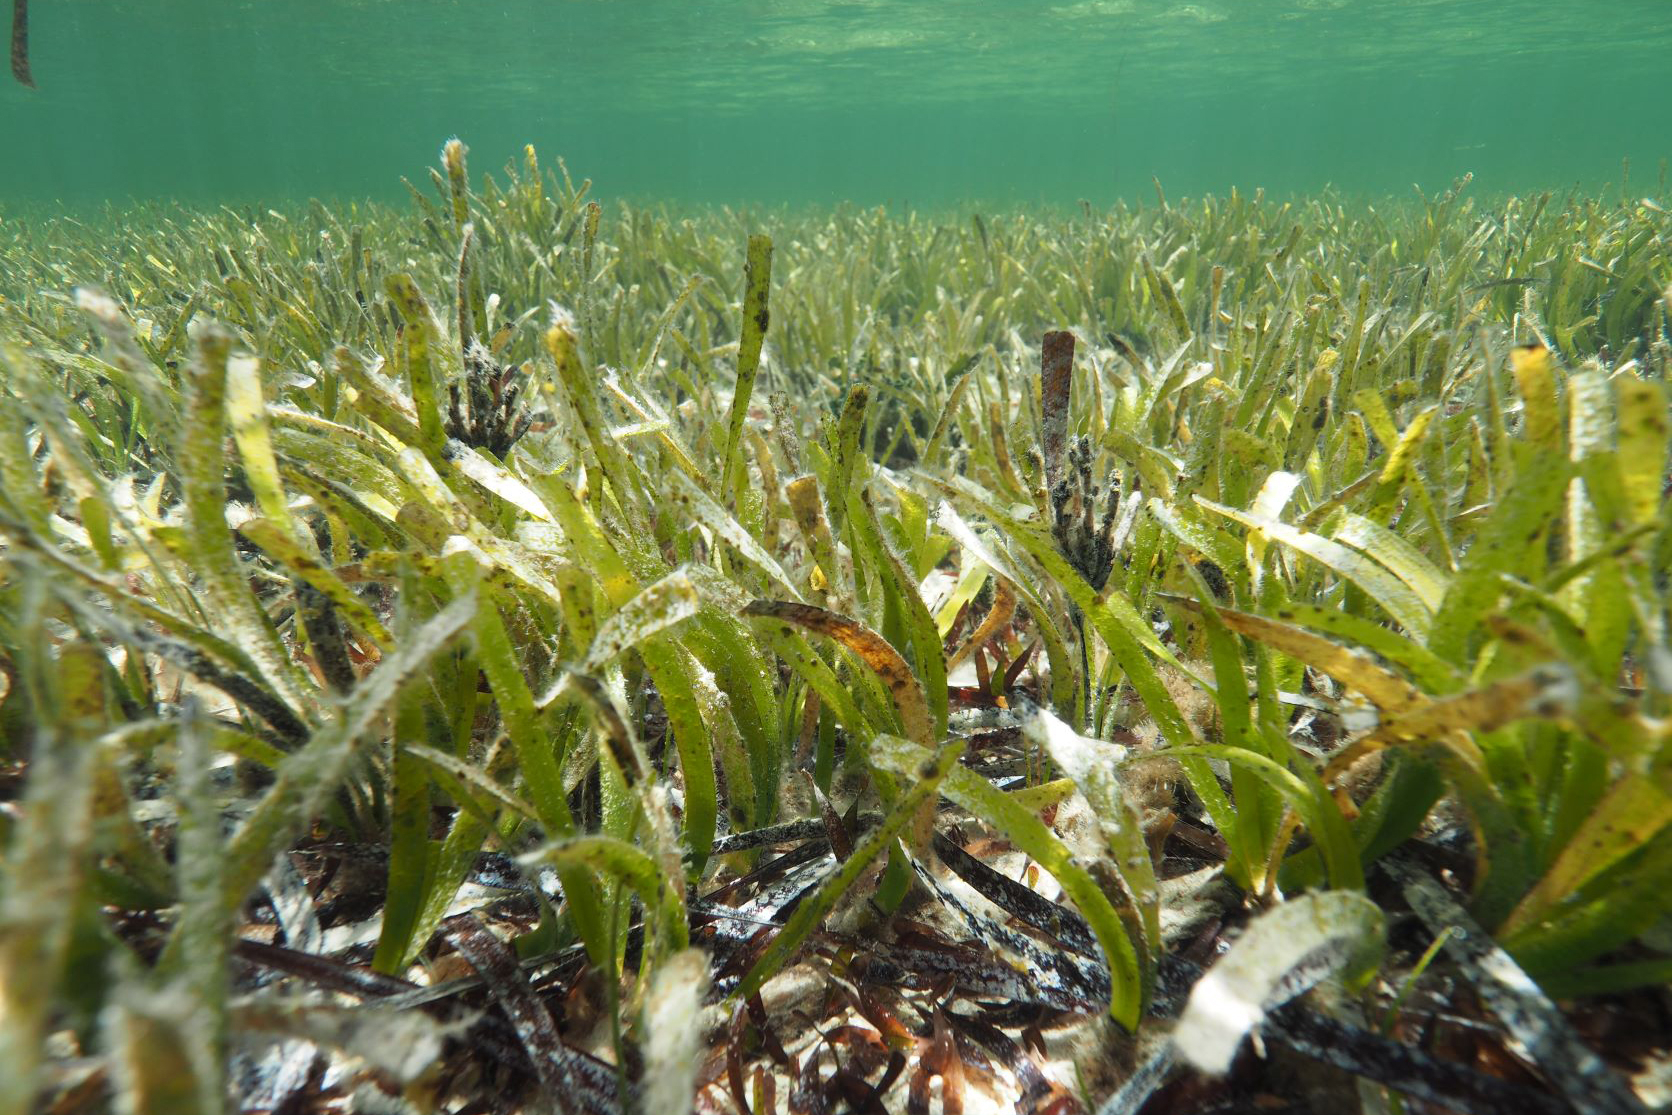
x=922 y=101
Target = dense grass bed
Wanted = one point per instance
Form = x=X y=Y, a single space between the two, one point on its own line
x=517 y=652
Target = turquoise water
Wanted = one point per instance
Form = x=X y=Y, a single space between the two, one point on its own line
x=927 y=102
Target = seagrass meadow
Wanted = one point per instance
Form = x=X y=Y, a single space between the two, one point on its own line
x=515 y=651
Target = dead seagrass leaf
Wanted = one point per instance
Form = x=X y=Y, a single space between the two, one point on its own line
x=1543 y=691
x=1001 y=613
x=871 y=648
x=1386 y=690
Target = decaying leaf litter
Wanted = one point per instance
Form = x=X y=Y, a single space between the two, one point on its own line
x=518 y=653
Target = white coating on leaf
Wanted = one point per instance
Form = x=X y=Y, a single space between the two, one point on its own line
x=1283 y=953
